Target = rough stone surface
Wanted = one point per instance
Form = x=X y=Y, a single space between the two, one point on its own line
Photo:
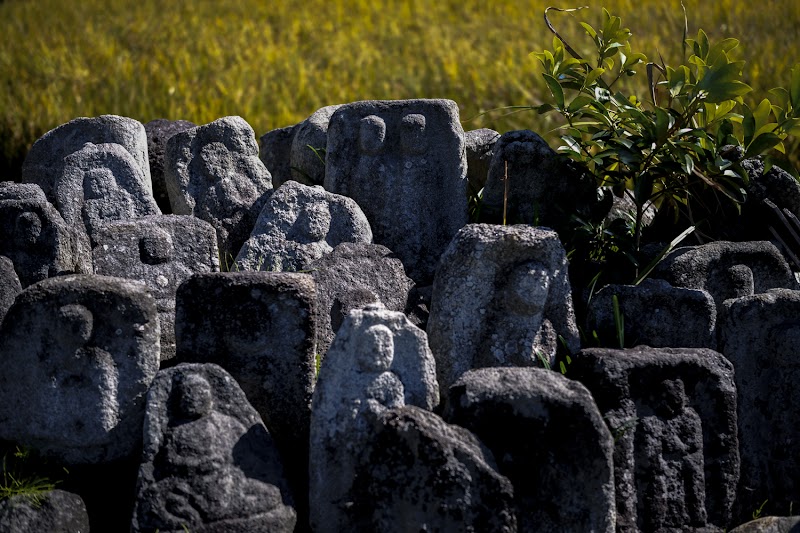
x=10 y=190
x=419 y=473
x=404 y=162
x=548 y=438
x=300 y=224
x=275 y=152
x=501 y=297
x=57 y=511
x=208 y=462
x=760 y=335
x=727 y=269
x=480 y=148
x=352 y=276
x=79 y=353
x=44 y=162
x=9 y=285
x=158 y=133
x=672 y=413
x=162 y=251
x=261 y=328
x=35 y=237
x=770 y=524
x=307 y=165
x=102 y=182
x=377 y=361
x=213 y=172
x=543 y=187
x=656 y=314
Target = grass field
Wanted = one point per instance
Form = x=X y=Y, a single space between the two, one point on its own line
x=276 y=62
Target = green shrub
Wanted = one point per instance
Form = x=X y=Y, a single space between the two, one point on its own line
x=672 y=148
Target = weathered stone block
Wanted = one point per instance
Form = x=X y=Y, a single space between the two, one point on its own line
x=548 y=438
x=760 y=335
x=404 y=163
x=162 y=251
x=377 y=361
x=213 y=172
x=655 y=314
x=78 y=353
x=299 y=224
x=208 y=464
x=501 y=297
x=672 y=413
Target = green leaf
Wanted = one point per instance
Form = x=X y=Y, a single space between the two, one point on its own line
x=748 y=124
x=602 y=95
x=721 y=48
x=664 y=122
x=721 y=81
x=544 y=108
x=701 y=50
x=591 y=31
x=762 y=143
x=761 y=114
x=643 y=188
x=593 y=75
x=619 y=321
x=572 y=143
x=580 y=101
x=649 y=268
x=687 y=164
x=555 y=89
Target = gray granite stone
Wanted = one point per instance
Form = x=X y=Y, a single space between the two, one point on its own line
x=501 y=297
x=213 y=172
x=162 y=251
x=404 y=163
x=79 y=353
x=548 y=438
x=208 y=463
x=298 y=225
x=377 y=361
x=672 y=414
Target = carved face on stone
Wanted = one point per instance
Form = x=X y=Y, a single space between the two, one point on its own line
x=193 y=396
x=669 y=398
x=98 y=183
x=376 y=349
x=525 y=291
x=312 y=224
x=156 y=247
x=27 y=229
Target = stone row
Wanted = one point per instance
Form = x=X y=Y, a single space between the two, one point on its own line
x=321 y=395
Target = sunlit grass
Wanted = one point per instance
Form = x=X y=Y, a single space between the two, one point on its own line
x=274 y=63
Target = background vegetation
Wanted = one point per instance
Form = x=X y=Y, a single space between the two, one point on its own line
x=275 y=62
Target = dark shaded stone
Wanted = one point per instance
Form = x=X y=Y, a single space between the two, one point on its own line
x=56 y=511
x=672 y=413
x=549 y=440
x=656 y=314
x=158 y=133
x=419 y=473
x=208 y=465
